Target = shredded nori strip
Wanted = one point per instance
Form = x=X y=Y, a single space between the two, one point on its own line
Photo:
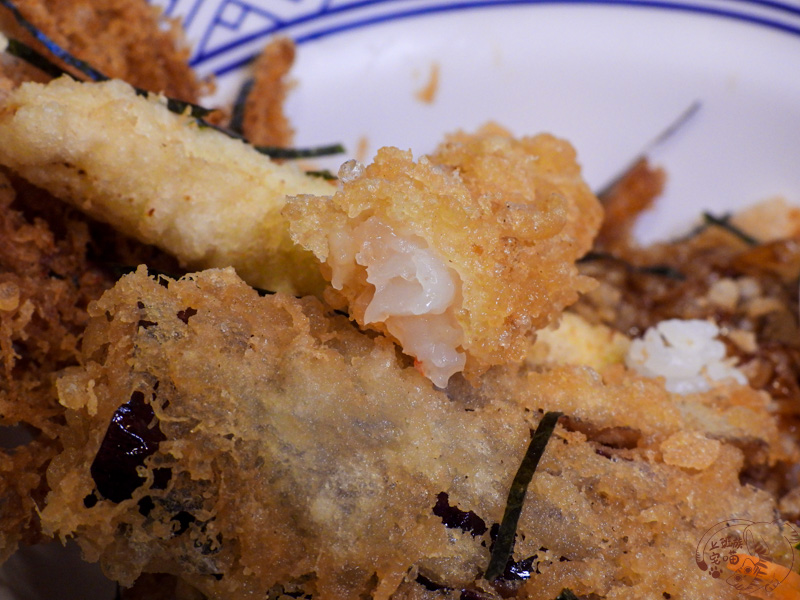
x=28 y=54
x=51 y=46
x=662 y=137
x=504 y=544
x=181 y=106
x=237 y=114
x=276 y=152
x=724 y=222
x=41 y=62
x=659 y=270
x=567 y=594
x=323 y=174
x=34 y=58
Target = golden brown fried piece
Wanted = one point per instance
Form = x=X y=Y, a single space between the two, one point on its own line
x=156 y=176
x=282 y=450
x=341 y=452
x=124 y=39
x=45 y=284
x=633 y=194
x=265 y=123
x=459 y=256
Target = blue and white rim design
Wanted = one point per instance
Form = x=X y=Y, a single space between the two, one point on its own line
x=226 y=34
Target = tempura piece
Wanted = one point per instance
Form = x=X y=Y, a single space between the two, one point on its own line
x=461 y=255
x=283 y=443
x=255 y=446
x=156 y=176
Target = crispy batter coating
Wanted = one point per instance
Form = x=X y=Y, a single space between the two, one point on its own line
x=45 y=284
x=285 y=451
x=625 y=200
x=264 y=120
x=125 y=39
x=341 y=452
x=505 y=218
x=205 y=198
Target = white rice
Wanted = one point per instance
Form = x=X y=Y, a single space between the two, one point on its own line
x=685 y=353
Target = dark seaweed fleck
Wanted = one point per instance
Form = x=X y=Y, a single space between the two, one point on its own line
x=131 y=437
x=432 y=586
x=504 y=543
x=453 y=517
x=185 y=315
x=236 y=123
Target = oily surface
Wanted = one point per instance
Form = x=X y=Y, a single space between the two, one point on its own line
x=288 y=449
x=509 y=216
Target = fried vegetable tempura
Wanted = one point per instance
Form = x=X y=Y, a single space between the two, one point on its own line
x=205 y=198
x=259 y=445
x=460 y=255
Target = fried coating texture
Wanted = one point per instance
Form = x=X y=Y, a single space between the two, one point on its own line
x=507 y=218
x=45 y=285
x=296 y=454
x=124 y=39
x=265 y=123
x=126 y=160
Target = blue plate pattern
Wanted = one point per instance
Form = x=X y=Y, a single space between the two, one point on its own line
x=226 y=34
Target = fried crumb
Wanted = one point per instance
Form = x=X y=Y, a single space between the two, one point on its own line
x=427 y=94
x=264 y=120
x=125 y=39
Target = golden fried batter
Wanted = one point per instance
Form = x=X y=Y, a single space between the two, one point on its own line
x=458 y=256
x=158 y=177
x=45 y=284
x=281 y=449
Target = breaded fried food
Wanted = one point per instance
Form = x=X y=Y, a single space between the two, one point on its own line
x=45 y=285
x=255 y=446
x=458 y=256
x=156 y=176
x=125 y=39
x=264 y=122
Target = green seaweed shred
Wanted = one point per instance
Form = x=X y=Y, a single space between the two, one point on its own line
x=323 y=174
x=237 y=114
x=504 y=543
x=658 y=270
x=34 y=58
x=286 y=153
x=662 y=137
x=51 y=46
x=44 y=64
x=724 y=223
x=567 y=594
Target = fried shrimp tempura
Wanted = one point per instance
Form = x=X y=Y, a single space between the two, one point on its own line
x=156 y=176
x=255 y=446
x=458 y=256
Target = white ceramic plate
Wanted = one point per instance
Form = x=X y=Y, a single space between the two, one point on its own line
x=607 y=75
